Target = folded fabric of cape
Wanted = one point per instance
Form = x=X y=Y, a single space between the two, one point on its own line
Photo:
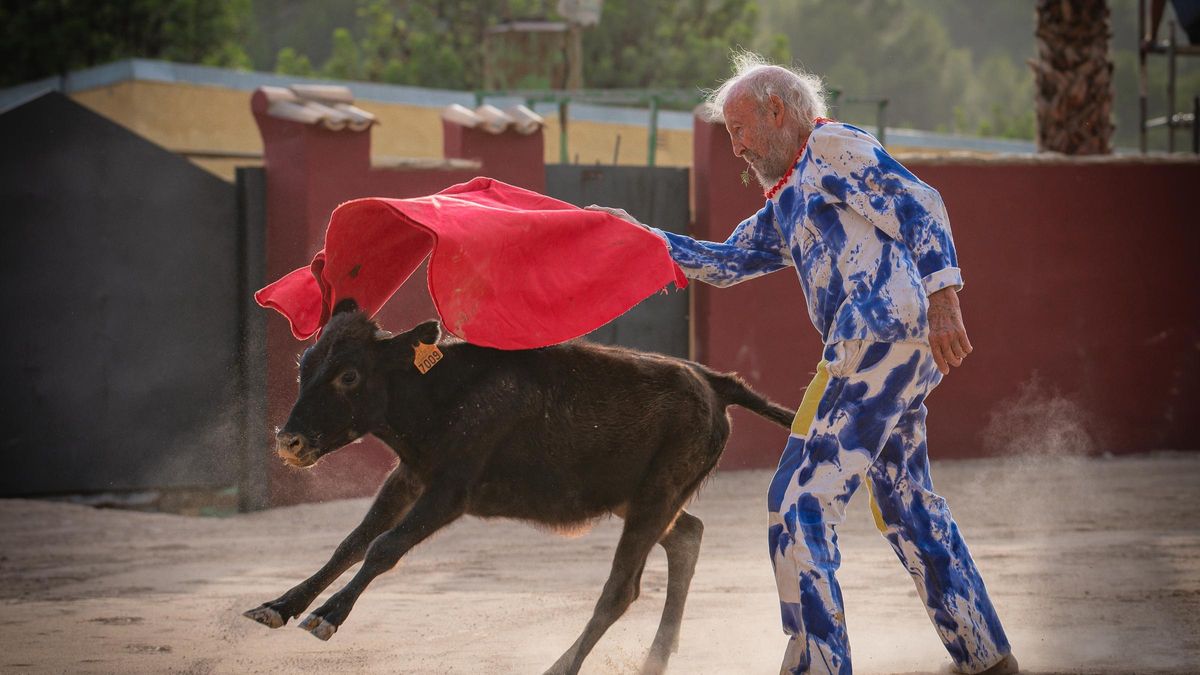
x=508 y=268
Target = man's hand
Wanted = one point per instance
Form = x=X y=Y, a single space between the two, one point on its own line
x=620 y=213
x=947 y=335
x=624 y=215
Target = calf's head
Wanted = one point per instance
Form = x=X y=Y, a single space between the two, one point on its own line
x=344 y=384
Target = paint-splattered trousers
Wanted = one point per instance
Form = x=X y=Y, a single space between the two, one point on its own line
x=863 y=419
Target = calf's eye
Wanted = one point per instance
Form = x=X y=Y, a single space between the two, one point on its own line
x=348 y=378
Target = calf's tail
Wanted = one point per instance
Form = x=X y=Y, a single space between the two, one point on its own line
x=735 y=391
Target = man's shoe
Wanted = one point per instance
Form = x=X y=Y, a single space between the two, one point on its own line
x=1007 y=666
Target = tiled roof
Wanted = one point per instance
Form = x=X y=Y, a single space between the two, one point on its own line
x=493 y=120
x=330 y=106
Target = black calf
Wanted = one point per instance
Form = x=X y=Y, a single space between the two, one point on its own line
x=559 y=436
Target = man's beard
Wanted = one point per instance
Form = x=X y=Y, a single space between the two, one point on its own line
x=769 y=168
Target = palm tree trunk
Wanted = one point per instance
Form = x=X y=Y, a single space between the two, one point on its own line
x=1073 y=77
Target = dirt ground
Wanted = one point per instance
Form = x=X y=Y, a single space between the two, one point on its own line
x=1094 y=565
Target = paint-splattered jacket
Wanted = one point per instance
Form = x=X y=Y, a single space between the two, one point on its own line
x=869 y=240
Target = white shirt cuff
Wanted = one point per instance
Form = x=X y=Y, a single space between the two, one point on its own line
x=944 y=278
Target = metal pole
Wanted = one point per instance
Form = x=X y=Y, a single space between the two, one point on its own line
x=574 y=56
x=1171 y=86
x=1141 y=21
x=881 y=122
x=1142 y=103
x=1196 y=124
x=251 y=192
x=653 y=142
x=563 y=157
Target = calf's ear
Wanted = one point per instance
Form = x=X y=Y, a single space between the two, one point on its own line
x=427 y=332
x=401 y=346
x=345 y=305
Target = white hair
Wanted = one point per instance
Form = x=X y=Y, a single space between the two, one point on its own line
x=802 y=93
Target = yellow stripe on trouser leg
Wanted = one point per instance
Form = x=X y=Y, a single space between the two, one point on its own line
x=807 y=412
x=875 y=512
x=812 y=398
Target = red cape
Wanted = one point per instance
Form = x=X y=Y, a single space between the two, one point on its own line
x=509 y=268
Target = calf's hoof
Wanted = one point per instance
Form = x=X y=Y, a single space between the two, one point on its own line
x=656 y=664
x=266 y=616
x=318 y=627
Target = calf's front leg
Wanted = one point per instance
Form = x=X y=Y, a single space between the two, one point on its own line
x=439 y=505
x=398 y=492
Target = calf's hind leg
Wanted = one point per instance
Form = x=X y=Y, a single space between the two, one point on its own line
x=682 y=544
x=644 y=526
x=395 y=496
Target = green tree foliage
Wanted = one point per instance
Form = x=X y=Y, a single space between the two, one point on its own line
x=950 y=65
x=672 y=44
x=957 y=66
x=910 y=52
x=40 y=38
x=306 y=26
x=436 y=43
x=288 y=62
x=345 y=63
x=1125 y=79
x=432 y=43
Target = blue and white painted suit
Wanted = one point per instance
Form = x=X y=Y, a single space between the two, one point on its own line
x=870 y=242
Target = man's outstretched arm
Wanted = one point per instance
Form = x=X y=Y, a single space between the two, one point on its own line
x=753 y=249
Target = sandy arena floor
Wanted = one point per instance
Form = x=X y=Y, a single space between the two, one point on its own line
x=1094 y=565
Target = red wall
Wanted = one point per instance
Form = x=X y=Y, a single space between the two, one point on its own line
x=1080 y=275
x=310 y=171
x=758 y=328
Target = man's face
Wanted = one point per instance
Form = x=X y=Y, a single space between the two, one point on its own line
x=760 y=136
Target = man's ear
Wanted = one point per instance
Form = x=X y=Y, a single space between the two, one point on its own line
x=345 y=305
x=778 y=110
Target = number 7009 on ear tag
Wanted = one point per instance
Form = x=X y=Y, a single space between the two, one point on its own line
x=426 y=356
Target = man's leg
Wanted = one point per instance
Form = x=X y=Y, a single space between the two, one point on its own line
x=919 y=527
x=862 y=392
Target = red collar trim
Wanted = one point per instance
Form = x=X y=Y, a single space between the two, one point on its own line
x=783 y=181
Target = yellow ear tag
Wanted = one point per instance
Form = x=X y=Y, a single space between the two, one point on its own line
x=426 y=356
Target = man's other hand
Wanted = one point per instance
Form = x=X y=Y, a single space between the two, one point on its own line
x=947 y=335
x=620 y=213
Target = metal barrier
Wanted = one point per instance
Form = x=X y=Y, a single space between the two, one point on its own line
x=836 y=100
x=653 y=98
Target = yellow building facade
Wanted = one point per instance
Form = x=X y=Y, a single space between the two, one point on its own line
x=204 y=114
x=213 y=127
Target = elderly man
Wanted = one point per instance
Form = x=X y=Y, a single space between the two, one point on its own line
x=872 y=246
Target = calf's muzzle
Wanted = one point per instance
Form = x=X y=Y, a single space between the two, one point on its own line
x=294 y=448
